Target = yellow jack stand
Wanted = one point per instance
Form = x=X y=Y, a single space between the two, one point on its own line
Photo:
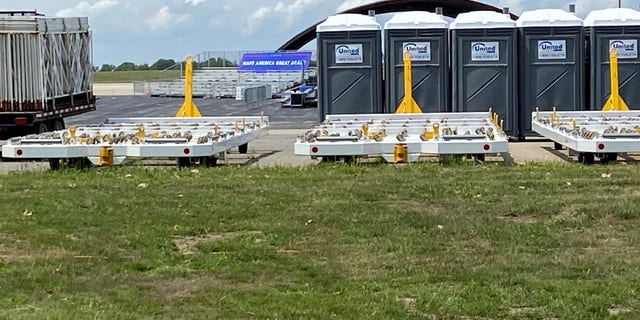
x=615 y=101
x=106 y=156
x=408 y=104
x=188 y=108
x=400 y=153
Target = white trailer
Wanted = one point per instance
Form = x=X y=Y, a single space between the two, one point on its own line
x=404 y=137
x=191 y=140
x=604 y=134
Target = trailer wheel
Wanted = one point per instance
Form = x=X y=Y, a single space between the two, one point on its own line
x=329 y=159
x=586 y=158
x=78 y=163
x=243 y=148
x=606 y=158
x=208 y=161
x=54 y=164
x=557 y=146
x=349 y=159
x=184 y=162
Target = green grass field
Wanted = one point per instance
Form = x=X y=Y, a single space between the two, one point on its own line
x=419 y=241
x=131 y=76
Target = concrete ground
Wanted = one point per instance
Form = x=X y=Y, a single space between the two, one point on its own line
x=113 y=89
x=271 y=150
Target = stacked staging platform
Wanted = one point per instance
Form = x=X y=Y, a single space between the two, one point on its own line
x=591 y=134
x=191 y=140
x=400 y=138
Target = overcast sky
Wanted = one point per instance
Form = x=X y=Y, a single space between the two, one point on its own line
x=142 y=31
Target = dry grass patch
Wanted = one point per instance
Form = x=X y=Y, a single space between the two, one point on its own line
x=425 y=209
x=515 y=311
x=616 y=310
x=13 y=250
x=189 y=244
x=523 y=219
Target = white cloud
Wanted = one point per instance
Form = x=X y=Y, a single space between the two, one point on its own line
x=194 y=2
x=348 y=4
x=286 y=12
x=256 y=18
x=164 y=19
x=583 y=7
x=84 y=8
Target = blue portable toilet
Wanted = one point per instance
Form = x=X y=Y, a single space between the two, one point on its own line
x=551 y=63
x=425 y=36
x=619 y=28
x=349 y=65
x=484 y=65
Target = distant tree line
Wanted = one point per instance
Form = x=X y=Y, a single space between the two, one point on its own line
x=163 y=64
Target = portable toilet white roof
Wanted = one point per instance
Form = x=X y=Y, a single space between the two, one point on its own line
x=548 y=18
x=348 y=22
x=416 y=20
x=482 y=20
x=613 y=17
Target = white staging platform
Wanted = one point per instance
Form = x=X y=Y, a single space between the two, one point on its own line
x=472 y=133
x=170 y=137
x=590 y=133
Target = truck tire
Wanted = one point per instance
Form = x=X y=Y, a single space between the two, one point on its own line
x=41 y=127
x=57 y=124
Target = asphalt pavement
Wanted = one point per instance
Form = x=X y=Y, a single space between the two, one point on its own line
x=145 y=106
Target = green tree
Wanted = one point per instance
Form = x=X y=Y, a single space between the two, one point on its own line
x=142 y=67
x=126 y=66
x=107 y=67
x=162 y=64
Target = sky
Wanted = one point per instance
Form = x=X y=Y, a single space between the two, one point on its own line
x=142 y=31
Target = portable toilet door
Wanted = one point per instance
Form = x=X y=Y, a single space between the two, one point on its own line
x=484 y=55
x=551 y=70
x=349 y=65
x=618 y=28
x=425 y=36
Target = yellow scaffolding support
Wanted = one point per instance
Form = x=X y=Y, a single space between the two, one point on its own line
x=615 y=101
x=408 y=104
x=188 y=108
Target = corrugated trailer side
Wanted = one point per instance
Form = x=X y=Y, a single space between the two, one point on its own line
x=46 y=72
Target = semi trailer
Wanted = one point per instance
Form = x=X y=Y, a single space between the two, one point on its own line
x=45 y=71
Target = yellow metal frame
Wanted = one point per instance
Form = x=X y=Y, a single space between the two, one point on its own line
x=408 y=104
x=615 y=101
x=400 y=153
x=188 y=108
x=106 y=156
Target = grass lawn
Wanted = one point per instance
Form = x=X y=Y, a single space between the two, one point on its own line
x=131 y=76
x=419 y=241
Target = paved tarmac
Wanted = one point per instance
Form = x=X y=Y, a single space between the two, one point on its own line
x=275 y=149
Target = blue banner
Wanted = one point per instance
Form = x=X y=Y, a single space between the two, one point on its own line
x=275 y=61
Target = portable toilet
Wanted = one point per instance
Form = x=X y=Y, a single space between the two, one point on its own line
x=484 y=55
x=551 y=63
x=618 y=28
x=425 y=36
x=349 y=65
